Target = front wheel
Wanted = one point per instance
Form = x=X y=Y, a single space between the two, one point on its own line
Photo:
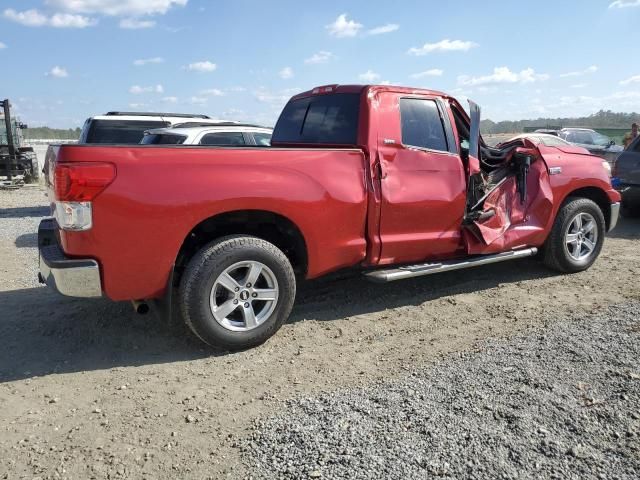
x=237 y=292
x=576 y=238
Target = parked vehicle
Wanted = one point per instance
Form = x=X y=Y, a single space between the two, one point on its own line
x=547 y=131
x=129 y=127
x=18 y=163
x=393 y=181
x=626 y=173
x=221 y=134
x=593 y=141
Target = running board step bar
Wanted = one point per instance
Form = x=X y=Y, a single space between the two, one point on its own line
x=410 y=271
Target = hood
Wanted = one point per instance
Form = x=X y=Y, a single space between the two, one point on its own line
x=573 y=149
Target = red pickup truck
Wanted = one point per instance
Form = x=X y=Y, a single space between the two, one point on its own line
x=396 y=182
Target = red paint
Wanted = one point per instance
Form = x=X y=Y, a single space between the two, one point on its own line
x=378 y=203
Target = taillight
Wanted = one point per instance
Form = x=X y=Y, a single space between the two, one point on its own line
x=81 y=182
x=75 y=186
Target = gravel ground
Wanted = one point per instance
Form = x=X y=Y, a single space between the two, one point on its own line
x=560 y=402
x=20 y=214
x=88 y=389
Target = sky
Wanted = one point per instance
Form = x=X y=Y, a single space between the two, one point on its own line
x=65 y=60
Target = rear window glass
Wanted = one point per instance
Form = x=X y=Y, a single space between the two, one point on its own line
x=128 y=132
x=163 y=139
x=328 y=119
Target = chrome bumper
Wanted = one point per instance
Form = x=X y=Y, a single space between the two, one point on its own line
x=69 y=276
x=615 y=214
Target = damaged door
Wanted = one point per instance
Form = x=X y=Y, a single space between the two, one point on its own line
x=509 y=198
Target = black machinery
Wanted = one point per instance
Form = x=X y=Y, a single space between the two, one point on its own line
x=18 y=163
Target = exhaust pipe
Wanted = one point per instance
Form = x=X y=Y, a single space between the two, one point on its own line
x=140 y=307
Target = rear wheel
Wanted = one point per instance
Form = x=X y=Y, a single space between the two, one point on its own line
x=237 y=292
x=576 y=238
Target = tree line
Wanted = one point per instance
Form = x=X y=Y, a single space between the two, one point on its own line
x=46 y=133
x=601 y=119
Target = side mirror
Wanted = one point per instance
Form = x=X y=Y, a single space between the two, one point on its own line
x=612 y=142
x=22 y=126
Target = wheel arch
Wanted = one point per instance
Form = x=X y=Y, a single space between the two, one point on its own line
x=267 y=225
x=598 y=196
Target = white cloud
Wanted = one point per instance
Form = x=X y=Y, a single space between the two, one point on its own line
x=33 y=18
x=502 y=75
x=624 y=4
x=67 y=20
x=212 y=92
x=237 y=89
x=580 y=73
x=434 y=72
x=30 y=18
x=3 y=45
x=320 y=57
x=146 y=61
x=137 y=105
x=275 y=99
x=170 y=99
x=198 y=100
x=57 y=72
x=445 y=45
x=125 y=8
x=137 y=89
x=369 y=76
x=136 y=24
x=204 y=66
x=388 y=28
x=342 y=27
x=630 y=80
x=286 y=73
x=579 y=85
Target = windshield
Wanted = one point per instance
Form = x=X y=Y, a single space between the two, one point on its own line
x=324 y=119
x=129 y=132
x=163 y=139
x=599 y=139
x=586 y=137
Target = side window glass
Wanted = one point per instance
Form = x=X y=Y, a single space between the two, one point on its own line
x=421 y=124
x=223 y=139
x=262 y=139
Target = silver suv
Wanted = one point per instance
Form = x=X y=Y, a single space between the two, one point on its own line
x=129 y=127
x=228 y=134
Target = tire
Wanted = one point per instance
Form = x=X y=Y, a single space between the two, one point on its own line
x=207 y=286
x=558 y=253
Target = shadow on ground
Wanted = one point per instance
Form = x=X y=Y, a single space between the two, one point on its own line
x=627 y=228
x=21 y=212
x=27 y=240
x=42 y=333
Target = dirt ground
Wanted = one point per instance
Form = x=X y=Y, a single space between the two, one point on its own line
x=88 y=389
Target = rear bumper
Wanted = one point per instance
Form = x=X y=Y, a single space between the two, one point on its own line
x=69 y=276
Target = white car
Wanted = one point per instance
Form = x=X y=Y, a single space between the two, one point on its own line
x=228 y=134
x=129 y=127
